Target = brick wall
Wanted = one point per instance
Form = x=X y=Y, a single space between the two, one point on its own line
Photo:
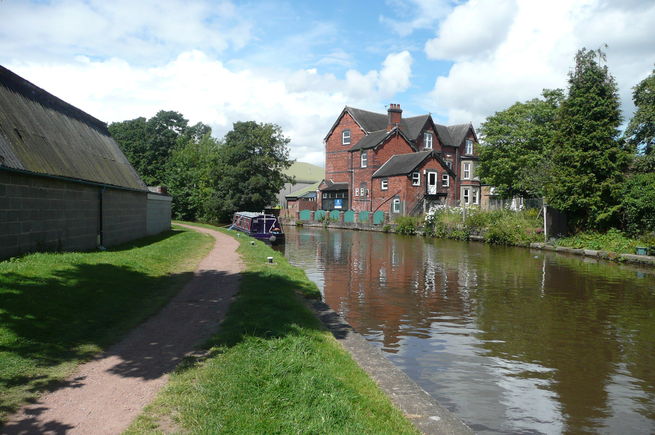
x=40 y=214
x=337 y=157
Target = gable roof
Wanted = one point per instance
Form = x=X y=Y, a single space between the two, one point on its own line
x=44 y=135
x=453 y=135
x=305 y=172
x=412 y=126
x=377 y=137
x=403 y=164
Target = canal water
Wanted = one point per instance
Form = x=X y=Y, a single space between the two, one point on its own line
x=511 y=340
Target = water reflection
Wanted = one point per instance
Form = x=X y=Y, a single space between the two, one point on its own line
x=512 y=340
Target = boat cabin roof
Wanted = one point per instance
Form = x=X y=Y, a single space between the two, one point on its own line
x=250 y=214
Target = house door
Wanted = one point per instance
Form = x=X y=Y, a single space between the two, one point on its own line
x=432 y=183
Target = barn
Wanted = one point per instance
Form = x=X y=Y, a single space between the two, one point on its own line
x=64 y=182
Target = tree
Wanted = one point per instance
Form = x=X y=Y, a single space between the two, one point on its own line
x=589 y=162
x=248 y=174
x=513 y=155
x=148 y=144
x=189 y=177
x=641 y=129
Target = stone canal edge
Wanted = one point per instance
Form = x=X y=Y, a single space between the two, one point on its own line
x=418 y=406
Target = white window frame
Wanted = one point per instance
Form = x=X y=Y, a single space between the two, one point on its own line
x=427 y=140
x=363 y=160
x=395 y=205
x=475 y=196
x=449 y=163
x=466 y=196
x=416 y=178
x=467 y=171
x=356 y=191
x=384 y=184
x=445 y=180
x=469 y=147
x=345 y=137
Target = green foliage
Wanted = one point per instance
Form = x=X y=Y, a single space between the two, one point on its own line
x=189 y=177
x=57 y=310
x=641 y=129
x=611 y=241
x=272 y=369
x=513 y=157
x=643 y=163
x=407 y=225
x=588 y=161
x=148 y=144
x=638 y=203
x=249 y=171
x=386 y=228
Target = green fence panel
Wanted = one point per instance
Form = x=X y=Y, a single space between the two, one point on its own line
x=319 y=215
x=334 y=215
x=378 y=217
x=363 y=216
x=349 y=217
x=305 y=215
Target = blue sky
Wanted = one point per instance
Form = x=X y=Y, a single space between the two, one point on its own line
x=298 y=63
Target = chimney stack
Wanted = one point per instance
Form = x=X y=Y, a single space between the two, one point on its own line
x=395 y=114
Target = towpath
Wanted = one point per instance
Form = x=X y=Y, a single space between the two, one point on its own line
x=107 y=393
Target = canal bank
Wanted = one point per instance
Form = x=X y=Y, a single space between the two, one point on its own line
x=508 y=339
x=645 y=260
x=273 y=368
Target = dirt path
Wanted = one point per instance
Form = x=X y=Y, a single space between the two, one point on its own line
x=106 y=394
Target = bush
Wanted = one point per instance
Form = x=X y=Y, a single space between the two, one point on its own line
x=386 y=228
x=638 y=203
x=612 y=241
x=407 y=225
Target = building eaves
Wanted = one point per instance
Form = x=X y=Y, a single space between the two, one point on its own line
x=401 y=164
x=371 y=140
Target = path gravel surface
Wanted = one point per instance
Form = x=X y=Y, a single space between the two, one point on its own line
x=107 y=393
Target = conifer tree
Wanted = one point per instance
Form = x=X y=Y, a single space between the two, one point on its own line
x=589 y=160
x=641 y=129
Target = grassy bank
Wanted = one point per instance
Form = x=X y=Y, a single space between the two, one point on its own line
x=58 y=309
x=611 y=241
x=271 y=368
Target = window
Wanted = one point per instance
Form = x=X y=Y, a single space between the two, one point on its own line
x=449 y=164
x=324 y=195
x=465 y=196
x=364 y=160
x=475 y=196
x=363 y=189
x=469 y=147
x=467 y=170
x=356 y=191
x=427 y=140
x=384 y=184
x=445 y=180
x=345 y=137
x=416 y=179
x=395 y=205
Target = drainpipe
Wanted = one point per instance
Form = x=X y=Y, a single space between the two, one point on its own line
x=100 y=235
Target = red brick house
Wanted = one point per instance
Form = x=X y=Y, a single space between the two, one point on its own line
x=398 y=165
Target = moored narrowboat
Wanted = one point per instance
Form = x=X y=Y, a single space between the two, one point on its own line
x=261 y=226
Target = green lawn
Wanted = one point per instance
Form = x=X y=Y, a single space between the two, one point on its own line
x=58 y=309
x=271 y=369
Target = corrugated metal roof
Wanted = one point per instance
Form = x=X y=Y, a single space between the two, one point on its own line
x=43 y=134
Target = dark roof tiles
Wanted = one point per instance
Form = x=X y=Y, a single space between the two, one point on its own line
x=401 y=164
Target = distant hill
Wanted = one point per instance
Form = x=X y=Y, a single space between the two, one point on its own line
x=305 y=173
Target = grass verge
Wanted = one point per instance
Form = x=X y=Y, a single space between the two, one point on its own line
x=271 y=368
x=59 y=309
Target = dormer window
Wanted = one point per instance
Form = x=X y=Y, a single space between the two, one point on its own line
x=345 y=137
x=469 y=147
x=363 y=160
x=427 y=140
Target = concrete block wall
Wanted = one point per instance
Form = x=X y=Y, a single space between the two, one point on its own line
x=39 y=214
x=158 y=213
x=124 y=216
x=43 y=214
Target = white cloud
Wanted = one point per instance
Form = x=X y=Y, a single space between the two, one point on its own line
x=532 y=48
x=418 y=14
x=471 y=29
x=139 y=31
x=304 y=103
